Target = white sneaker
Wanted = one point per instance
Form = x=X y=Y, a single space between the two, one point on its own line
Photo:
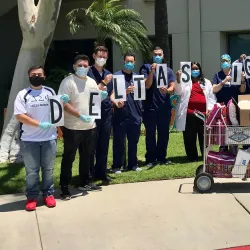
x=116 y=171
x=150 y=165
x=137 y=169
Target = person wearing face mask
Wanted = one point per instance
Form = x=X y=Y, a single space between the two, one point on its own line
x=126 y=120
x=103 y=79
x=79 y=130
x=157 y=111
x=196 y=96
x=221 y=82
x=38 y=137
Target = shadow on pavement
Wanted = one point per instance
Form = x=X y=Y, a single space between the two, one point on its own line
x=218 y=188
x=19 y=205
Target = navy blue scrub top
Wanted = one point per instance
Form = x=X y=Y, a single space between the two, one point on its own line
x=227 y=91
x=154 y=98
x=94 y=74
x=132 y=110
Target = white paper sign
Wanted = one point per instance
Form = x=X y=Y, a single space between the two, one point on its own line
x=119 y=87
x=186 y=73
x=241 y=164
x=95 y=101
x=140 y=89
x=247 y=67
x=56 y=110
x=162 y=75
x=236 y=73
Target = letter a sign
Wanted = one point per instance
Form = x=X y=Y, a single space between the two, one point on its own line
x=162 y=75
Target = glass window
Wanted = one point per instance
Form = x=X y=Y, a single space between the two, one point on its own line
x=239 y=44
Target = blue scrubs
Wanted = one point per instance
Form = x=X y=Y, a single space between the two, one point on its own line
x=227 y=92
x=103 y=127
x=126 y=122
x=156 y=116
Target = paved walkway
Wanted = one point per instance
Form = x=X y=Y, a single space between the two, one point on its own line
x=144 y=216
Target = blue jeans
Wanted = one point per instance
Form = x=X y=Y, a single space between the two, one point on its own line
x=38 y=155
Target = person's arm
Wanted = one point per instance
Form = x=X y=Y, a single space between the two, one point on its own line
x=211 y=96
x=218 y=87
x=118 y=104
x=243 y=85
x=149 y=77
x=23 y=118
x=71 y=110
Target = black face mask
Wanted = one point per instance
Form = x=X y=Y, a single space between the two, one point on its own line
x=37 y=81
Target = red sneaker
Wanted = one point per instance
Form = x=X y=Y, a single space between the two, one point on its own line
x=50 y=201
x=31 y=205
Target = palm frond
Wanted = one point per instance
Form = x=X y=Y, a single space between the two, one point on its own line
x=123 y=26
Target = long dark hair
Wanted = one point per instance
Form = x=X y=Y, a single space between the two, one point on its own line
x=201 y=77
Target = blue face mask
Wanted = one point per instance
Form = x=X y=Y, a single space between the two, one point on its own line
x=157 y=59
x=129 y=66
x=225 y=65
x=82 y=71
x=195 y=73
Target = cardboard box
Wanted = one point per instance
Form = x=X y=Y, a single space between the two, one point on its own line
x=244 y=109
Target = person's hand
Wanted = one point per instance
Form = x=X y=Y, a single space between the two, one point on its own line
x=178 y=75
x=65 y=98
x=242 y=57
x=130 y=89
x=108 y=78
x=104 y=95
x=45 y=125
x=243 y=76
x=119 y=104
x=227 y=79
x=164 y=90
x=208 y=113
x=102 y=87
x=153 y=67
x=85 y=118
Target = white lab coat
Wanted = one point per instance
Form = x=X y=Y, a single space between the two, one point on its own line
x=184 y=92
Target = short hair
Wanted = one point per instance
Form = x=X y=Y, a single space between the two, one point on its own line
x=157 y=48
x=128 y=54
x=36 y=67
x=101 y=49
x=81 y=57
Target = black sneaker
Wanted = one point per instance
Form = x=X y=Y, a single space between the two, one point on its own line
x=104 y=178
x=65 y=195
x=90 y=187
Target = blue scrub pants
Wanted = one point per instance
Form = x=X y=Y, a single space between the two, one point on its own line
x=120 y=129
x=100 y=157
x=157 y=120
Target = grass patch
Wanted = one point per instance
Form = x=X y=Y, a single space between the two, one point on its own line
x=12 y=176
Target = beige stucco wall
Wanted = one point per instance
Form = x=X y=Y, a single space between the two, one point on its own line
x=199 y=29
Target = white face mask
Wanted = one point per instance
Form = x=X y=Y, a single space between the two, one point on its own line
x=100 y=61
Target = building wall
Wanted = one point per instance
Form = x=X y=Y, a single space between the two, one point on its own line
x=199 y=30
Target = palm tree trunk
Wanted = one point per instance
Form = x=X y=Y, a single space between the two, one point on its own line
x=161 y=27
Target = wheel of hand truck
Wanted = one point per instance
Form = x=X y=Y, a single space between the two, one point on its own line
x=199 y=170
x=203 y=183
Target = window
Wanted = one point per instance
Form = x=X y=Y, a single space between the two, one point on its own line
x=239 y=44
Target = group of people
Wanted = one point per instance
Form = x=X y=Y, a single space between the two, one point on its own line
x=91 y=137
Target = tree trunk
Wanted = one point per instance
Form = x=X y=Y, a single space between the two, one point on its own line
x=38 y=24
x=161 y=27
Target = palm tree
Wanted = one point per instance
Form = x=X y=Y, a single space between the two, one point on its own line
x=161 y=27
x=112 y=21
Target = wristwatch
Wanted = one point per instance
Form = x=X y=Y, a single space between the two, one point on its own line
x=103 y=82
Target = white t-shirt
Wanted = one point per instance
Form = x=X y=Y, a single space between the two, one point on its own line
x=35 y=104
x=79 y=92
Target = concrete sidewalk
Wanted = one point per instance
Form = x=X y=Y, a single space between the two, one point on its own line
x=144 y=216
